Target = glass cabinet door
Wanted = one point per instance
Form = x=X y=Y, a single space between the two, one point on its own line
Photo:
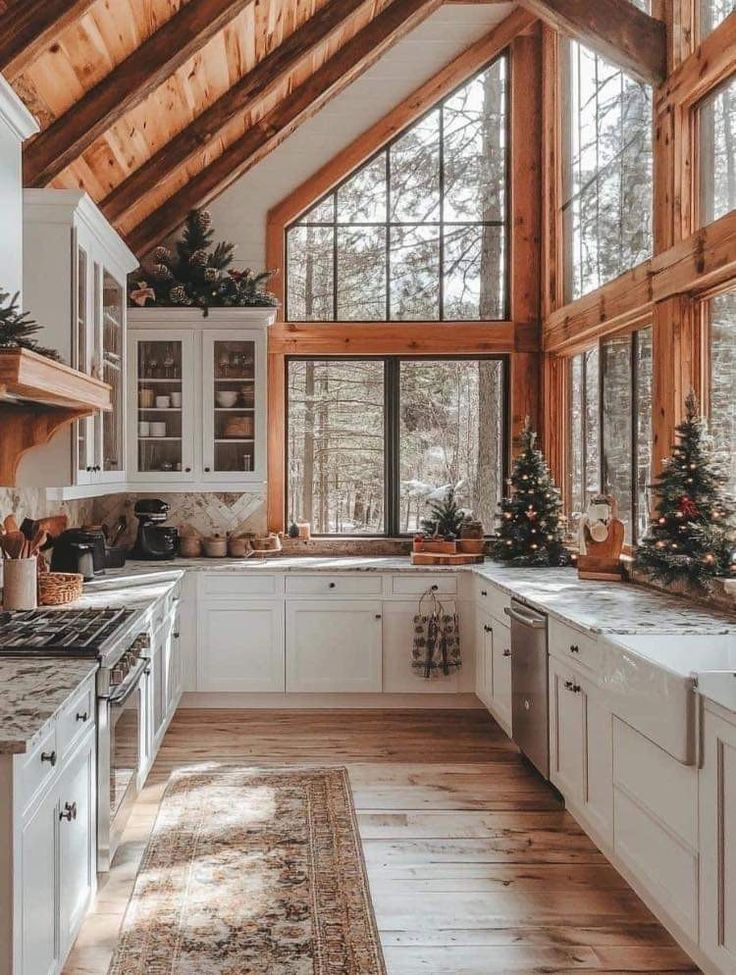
x=83 y=351
x=163 y=391
x=232 y=431
x=113 y=372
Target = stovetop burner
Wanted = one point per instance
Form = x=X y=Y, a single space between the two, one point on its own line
x=62 y=632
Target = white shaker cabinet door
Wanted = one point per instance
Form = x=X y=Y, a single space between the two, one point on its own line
x=241 y=646
x=38 y=925
x=567 y=731
x=77 y=842
x=398 y=637
x=334 y=646
x=717 y=819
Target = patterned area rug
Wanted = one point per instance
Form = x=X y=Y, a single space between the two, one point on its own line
x=252 y=872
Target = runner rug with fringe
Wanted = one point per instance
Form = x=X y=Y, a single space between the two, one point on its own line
x=256 y=871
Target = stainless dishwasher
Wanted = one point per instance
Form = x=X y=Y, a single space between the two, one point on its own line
x=529 y=684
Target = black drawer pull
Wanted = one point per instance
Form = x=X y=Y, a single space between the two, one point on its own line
x=331 y=585
x=49 y=757
x=484 y=592
x=487 y=628
x=82 y=716
x=378 y=616
x=69 y=812
x=434 y=588
x=574 y=648
x=507 y=652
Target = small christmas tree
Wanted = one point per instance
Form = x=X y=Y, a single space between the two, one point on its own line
x=17 y=328
x=445 y=517
x=530 y=532
x=691 y=536
x=196 y=274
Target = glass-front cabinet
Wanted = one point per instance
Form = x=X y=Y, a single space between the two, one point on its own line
x=197 y=397
x=162 y=404
x=74 y=282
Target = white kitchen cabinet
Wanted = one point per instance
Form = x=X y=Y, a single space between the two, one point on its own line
x=39 y=929
x=334 y=646
x=484 y=658
x=501 y=700
x=75 y=269
x=197 y=398
x=398 y=638
x=77 y=843
x=580 y=747
x=241 y=645
x=717 y=827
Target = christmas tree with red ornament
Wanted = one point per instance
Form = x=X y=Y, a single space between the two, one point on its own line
x=691 y=536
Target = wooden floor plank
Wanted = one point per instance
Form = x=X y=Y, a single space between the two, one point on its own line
x=474 y=866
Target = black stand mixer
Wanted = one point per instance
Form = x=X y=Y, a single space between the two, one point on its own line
x=155 y=541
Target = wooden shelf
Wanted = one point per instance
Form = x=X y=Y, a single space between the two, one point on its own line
x=37 y=398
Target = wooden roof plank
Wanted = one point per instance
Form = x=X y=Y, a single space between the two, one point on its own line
x=127 y=85
x=352 y=59
x=266 y=75
x=615 y=29
x=27 y=28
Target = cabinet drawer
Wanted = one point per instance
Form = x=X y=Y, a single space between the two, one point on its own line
x=492 y=599
x=320 y=584
x=409 y=584
x=239 y=585
x=39 y=766
x=76 y=718
x=659 y=782
x=573 y=646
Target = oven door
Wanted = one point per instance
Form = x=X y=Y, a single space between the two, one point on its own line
x=122 y=734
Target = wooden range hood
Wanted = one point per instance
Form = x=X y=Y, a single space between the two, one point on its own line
x=37 y=398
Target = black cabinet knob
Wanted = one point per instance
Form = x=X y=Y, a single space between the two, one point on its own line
x=574 y=648
x=378 y=616
x=487 y=628
x=69 y=812
x=507 y=652
x=49 y=757
x=188 y=470
x=434 y=588
x=206 y=470
x=331 y=585
x=82 y=716
x=484 y=592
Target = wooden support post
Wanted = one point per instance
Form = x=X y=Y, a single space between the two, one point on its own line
x=276 y=500
x=555 y=406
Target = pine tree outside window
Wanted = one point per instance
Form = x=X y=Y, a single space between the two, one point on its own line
x=712 y=13
x=419 y=232
x=607 y=191
x=717 y=156
x=610 y=427
x=721 y=317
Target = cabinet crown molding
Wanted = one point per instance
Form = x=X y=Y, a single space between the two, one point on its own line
x=15 y=114
x=193 y=318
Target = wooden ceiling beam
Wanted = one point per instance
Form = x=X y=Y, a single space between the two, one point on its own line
x=354 y=57
x=27 y=28
x=126 y=86
x=262 y=79
x=615 y=29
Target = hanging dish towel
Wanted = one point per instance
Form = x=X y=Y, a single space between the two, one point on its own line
x=436 y=647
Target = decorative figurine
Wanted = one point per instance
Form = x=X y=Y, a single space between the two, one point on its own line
x=601 y=540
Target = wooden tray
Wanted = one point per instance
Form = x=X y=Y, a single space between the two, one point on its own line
x=431 y=558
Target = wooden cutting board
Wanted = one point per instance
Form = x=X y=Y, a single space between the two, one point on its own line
x=433 y=558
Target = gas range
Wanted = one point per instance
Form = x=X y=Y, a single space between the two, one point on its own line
x=101 y=634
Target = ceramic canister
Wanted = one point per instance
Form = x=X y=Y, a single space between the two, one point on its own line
x=20 y=586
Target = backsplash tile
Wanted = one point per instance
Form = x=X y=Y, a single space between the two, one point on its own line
x=32 y=503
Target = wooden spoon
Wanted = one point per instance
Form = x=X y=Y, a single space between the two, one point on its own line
x=11 y=525
x=14 y=544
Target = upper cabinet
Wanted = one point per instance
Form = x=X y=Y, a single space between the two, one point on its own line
x=75 y=268
x=197 y=398
x=16 y=125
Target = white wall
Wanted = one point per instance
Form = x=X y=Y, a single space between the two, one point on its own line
x=239 y=214
x=16 y=124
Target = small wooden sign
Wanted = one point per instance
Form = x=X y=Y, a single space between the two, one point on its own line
x=601 y=558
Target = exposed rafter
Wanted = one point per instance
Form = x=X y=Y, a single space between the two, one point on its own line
x=615 y=29
x=126 y=86
x=27 y=28
x=340 y=70
x=258 y=82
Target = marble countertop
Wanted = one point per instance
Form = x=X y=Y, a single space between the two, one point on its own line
x=32 y=691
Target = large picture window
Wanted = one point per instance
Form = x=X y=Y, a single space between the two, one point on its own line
x=611 y=428
x=607 y=191
x=722 y=343
x=370 y=440
x=712 y=13
x=717 y=157
x=418 y=233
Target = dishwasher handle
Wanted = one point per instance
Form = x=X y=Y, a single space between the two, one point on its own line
x=535 y=622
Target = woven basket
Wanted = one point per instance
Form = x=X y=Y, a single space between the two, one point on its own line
x=59 y=588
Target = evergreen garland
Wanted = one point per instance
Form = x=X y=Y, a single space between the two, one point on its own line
x=530 y=532
x=197 y=275
x=691 y=536
x=445 y=517
x=17 y=328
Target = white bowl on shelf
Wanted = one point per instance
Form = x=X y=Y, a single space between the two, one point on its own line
x=226 y=398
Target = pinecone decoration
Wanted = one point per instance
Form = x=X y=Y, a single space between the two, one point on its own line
x=178 y=295
x=204 y=220
x=211 y=275
x=162 y=272
x=162 y=255
x=199 y=258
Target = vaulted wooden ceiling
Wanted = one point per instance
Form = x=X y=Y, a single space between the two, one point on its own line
x=155 y=106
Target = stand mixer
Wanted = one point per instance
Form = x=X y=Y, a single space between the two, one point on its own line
x=155 y=541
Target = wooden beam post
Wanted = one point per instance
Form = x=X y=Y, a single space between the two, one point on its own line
x=27 y=28
x=615 y=29
x=126 y=86
x=337 y=73
x=244 y=94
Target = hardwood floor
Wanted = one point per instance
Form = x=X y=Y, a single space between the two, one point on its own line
x=474 y=866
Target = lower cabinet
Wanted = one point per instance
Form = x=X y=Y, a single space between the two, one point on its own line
x=55 y=875
x=241 y=645
x=493 y=666
x=717 y=818
x=484 y=658
x=334 y=646
x=398 y=639
x=580 y=746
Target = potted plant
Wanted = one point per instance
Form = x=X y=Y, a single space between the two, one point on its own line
x=441 y=528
